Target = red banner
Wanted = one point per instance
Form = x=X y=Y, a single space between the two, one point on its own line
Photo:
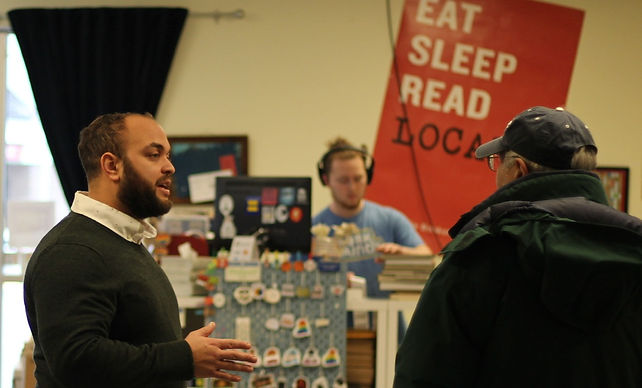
x=464 y=69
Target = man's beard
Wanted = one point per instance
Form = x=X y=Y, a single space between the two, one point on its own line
x=345 y=204
x=140 y=197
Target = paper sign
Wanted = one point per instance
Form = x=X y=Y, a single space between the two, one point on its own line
x=202 y=186
x=243 y=273
x=228 y=162
x=244 y=249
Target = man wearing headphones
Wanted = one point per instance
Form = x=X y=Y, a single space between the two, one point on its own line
x=347 y=170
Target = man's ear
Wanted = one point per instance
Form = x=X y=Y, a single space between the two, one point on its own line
x=522 y=168
x=110 y=164
x=325 y=179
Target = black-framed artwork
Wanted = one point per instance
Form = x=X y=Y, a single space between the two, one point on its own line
x=616 y=184
x=194 y=155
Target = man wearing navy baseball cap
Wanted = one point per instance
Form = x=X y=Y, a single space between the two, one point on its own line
x=546 y=139
x=542 y=283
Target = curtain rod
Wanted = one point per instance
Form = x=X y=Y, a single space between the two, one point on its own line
x=237 y=14
x=216 y=15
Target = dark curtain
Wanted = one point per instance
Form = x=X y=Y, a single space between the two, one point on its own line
x=83 y=62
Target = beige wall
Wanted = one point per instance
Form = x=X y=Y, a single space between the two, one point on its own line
x=294 y=73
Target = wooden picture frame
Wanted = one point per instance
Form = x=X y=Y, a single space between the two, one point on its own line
x=616 y=184
x=193 y=155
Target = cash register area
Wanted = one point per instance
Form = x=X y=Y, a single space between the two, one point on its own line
x=252 y=265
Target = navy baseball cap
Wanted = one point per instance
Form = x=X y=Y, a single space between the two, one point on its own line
x=549 y=137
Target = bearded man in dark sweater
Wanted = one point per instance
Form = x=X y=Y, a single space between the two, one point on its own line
x=101 y=310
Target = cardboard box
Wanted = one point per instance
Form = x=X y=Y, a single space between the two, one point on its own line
x=28 y=366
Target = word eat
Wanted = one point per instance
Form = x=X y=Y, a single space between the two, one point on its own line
x=447 y=15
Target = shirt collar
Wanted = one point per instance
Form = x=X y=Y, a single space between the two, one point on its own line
x=120 y=223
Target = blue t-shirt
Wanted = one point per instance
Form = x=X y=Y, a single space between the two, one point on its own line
x=388 y=223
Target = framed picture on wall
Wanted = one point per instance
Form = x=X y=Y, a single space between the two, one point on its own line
x=616 y=184
x=199 y=158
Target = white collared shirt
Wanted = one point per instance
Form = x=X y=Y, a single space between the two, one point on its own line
x=125 y=226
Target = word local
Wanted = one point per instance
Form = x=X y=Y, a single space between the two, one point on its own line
x=430 y=137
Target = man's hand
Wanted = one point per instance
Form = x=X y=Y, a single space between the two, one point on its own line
x=391 y=248
x=396 y=249
x=213 y=355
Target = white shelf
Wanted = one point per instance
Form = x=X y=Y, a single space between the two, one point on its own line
x=190 y=302
x=387 y=330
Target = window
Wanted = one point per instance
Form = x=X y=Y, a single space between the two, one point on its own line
x=32 y=199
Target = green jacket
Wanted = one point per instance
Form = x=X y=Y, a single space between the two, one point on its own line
x=540 y=287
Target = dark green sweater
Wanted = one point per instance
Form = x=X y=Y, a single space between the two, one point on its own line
x=540 y=287
x=102 y=312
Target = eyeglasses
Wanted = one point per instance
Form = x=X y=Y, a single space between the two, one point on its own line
x=495 y=160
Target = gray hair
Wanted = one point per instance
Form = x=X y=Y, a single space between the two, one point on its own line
x=585 y=158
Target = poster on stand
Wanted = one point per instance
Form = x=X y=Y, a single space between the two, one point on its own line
x=461 y=71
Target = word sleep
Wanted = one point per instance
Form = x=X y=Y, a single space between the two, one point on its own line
x=478 y=62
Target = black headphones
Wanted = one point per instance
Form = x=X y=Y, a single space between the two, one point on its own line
x=367 y=160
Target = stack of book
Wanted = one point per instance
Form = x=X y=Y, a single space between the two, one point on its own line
x=360 y=353
x=406 y=272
